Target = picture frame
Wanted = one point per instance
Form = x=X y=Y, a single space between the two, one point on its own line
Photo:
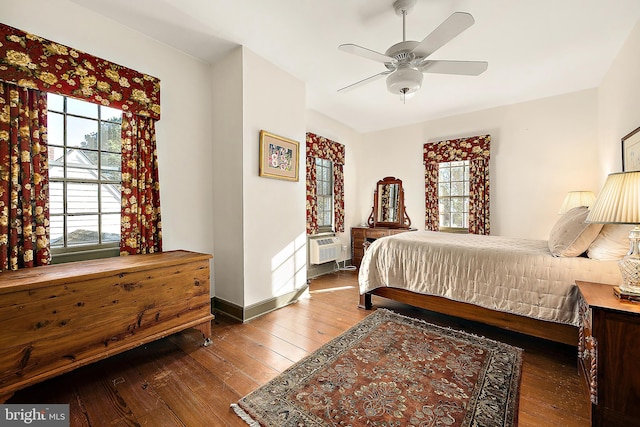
x=631 y=151
x=279 y=157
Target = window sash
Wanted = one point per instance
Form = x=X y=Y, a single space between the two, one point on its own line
x=453 y=195
x=324 y=194
x=85 y=171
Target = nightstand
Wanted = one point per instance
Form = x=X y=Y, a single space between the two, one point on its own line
x=609 y=355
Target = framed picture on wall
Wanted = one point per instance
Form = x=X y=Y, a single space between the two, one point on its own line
x=631 y=151
x=278 y=157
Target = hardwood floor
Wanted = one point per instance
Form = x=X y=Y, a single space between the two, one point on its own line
x=177 y=382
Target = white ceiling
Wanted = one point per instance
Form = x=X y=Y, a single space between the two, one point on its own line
x=535 y=48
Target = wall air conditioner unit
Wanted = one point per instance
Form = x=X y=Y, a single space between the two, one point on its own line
x=324 y=249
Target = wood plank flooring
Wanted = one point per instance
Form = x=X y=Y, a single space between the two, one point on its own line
x=177 y=382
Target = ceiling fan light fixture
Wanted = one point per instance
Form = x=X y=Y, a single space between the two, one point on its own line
x=405 y=80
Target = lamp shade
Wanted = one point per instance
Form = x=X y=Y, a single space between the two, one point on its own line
x=619 y=200
x=573 y=199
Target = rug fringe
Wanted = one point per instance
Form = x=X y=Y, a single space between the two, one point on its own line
x=245 y=417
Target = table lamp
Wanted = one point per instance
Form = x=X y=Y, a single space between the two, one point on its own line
x=573 y=199
x=619 y=203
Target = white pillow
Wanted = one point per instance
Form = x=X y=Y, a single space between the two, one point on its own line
x=571 y=236
x=612 y=243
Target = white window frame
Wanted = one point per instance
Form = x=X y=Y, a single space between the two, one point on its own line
x=453 y=196
x=324 y=195
x=81 y=251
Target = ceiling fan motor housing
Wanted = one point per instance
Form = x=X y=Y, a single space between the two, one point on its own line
x=406 y=79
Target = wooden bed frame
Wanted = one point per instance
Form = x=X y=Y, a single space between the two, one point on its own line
x=558 y=332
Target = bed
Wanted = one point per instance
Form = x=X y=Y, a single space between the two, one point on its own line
x=523 y=285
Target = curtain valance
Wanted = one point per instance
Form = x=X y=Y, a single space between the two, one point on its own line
x=30 y=61
x=323 y=148
x=457 y=149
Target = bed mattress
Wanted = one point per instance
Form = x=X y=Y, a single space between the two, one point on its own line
x=513 y=275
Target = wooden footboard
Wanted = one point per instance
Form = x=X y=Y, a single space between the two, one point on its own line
x=566 y=334
x=60 y=317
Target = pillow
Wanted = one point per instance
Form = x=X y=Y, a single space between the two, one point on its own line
x=571 y=236
x=612 y=243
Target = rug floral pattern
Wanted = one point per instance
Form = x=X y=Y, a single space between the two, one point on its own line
x=392 y=371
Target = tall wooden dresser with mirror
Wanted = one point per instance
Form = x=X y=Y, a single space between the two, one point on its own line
x=388 y=217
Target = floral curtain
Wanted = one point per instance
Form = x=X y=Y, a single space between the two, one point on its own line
x=24 y=178
x=30 y=61
x=476 y=149
x=323 y=148
x=140 y=230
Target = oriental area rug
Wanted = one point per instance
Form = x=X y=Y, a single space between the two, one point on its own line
x=391 y=370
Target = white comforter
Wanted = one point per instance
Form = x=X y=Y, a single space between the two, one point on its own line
x=518 y=276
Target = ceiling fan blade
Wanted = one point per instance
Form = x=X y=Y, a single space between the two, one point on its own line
x=364 y=81
x=466 y=68
x=450 y=28
x=366 y=53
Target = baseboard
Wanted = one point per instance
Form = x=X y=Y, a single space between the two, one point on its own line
x=228 y=308
x=244 y=314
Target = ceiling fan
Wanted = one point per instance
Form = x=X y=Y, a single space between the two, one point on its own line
x=408 y=60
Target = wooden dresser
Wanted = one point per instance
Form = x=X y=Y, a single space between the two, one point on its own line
x=59 y=317
x=609 y=355
x=359 y=235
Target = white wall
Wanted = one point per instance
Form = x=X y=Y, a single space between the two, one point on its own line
x=227 y=169
x=540 y=150
x=324 y=126
x=273 y=210
x=618 y=107
x=185 y=125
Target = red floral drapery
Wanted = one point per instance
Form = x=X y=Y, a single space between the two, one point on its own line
x=323 y=148
x=140 y=229
x=24 y=178
x=476 y=149
x=30 y=61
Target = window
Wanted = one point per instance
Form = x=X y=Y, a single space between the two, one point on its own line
x=453 y=195
x=85 y=145
x=324 y=194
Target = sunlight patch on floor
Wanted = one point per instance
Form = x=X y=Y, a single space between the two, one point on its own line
x=341 y=288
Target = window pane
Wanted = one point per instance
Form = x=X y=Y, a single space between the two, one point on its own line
x=110 y=138
x=457 y=189
x=111 y=165
x=55 y=102
x=457 y=220
x=110 y=228
x=56 y=229
x=443 y=189
x=457 y=173
x=56 y=198
x=327 y=218
x=82 y=132
x=445 y=174
x=82 y=197
x=82 y=108
x=457 y=204
x=56 y=162
x=110 y=198
x=82 y=229
x=110 y=114
x=55 y=129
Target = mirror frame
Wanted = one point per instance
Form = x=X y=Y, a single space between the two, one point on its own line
x=403 y=219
